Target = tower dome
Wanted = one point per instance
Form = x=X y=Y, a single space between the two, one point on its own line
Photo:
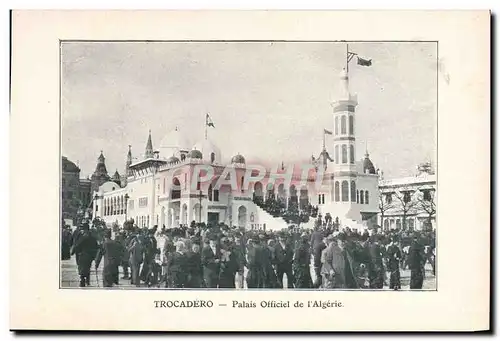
x=195 y=154
x=211 y=153
x=368 y=167
x=173 y=159
x=173 y=143
x=238 y=159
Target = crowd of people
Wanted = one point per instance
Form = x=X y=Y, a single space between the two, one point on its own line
x=200 y=256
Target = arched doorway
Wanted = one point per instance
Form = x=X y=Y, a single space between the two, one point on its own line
x=258 y=195
x=242 y=216
x=175 y=192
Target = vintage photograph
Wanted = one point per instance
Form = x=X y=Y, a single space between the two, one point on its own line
x=249 y=165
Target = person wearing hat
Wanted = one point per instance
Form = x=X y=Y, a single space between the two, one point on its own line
x=239 y=250
x=376 y=271
x=393 y=261
x=210 y=259
x=416 y=263
x=301 y=264
x=85 y=249
x=327 y=271
x=339 y=265
x=228 y=265
x=255 y=260
x=194 y=268
x=111 y=251
x=284 y=259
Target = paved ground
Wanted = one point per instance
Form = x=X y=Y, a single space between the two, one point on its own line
x=70 y=278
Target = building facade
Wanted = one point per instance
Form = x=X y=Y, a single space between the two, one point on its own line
x=409 y=202
x=171 y=186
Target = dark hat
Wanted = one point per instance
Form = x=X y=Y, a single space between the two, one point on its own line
x=341 y=236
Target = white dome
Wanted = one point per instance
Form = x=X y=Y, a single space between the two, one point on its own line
x=207 y=148
x=173 y=143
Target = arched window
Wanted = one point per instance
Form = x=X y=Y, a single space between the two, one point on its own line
x=361 y=197
x=343 y=125
x=345 y=190
x=210 y=190
x=351 y=153
x=336 y=125
x=353 y=191
x=336 y=154
x=212 y=157
x=357 y=197
x=337 y=191
x=366 y=198
x=351 y=125
x=344 y=153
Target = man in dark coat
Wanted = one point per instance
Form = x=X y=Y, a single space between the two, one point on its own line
x=284 y=260
x=376 y=269
x=85 y=248
x=112 y=253
x=255 y=260
x=122 y=239
x=317 y=250
x=393 y=261
x=228 y=265
x=66 y=242
x=301 y=264
x=194 y=268
x=136 y=257
x=416 y=262
x=210 y=259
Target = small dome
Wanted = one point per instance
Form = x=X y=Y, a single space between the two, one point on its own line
x=173 y=159
x=195 y=154
x=368 y=167
x=238 y=159
x=211 y=153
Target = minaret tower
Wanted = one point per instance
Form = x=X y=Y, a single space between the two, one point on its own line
x=149 y=148
x=344 y=167
x=127 y=166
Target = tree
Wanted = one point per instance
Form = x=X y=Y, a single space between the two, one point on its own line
x=384 y=205
x=407 y=200
x=427 y=204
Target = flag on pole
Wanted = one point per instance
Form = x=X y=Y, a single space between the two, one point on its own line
x=328 y=132
x=364 y=62
x=209 y=122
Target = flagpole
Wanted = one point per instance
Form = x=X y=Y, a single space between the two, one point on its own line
x=206 y=125
x=324 y=139
x=347 y=58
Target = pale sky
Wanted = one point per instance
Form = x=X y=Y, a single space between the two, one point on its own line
x=268 y=101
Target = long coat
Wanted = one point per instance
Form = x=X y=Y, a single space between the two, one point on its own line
x=211 y=267
x=301 y=267
x=85 y=248
x=255 y=260
x=340 y=261
x=112 y=252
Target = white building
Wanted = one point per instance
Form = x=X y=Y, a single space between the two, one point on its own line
x=409 y=202
x=162 y=188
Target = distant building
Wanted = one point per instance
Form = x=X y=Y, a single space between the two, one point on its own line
x=100 y=175
x=409 y=202
x=70 y=189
